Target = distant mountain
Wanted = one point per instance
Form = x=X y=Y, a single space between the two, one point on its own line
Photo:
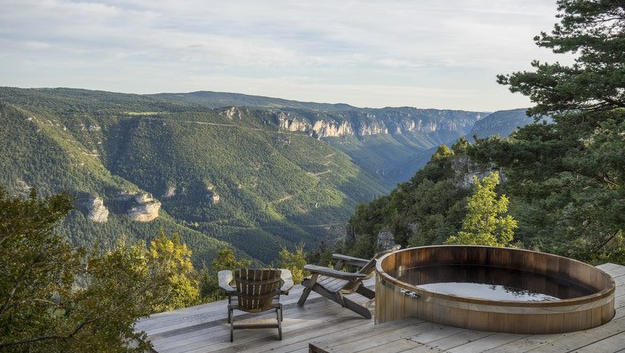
x=219 y=168
x=501 y=123
x=208 y=99
x=389 y=143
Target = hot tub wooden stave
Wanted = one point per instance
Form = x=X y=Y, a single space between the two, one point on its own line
x=396 y=299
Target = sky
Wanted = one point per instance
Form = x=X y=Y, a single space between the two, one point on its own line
x=441 y=54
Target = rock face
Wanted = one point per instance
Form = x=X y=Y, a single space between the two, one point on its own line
x=233 y=113
x=144 y=198
x=170 y=192
x=393 y=121
x=464 y=170
x=386 y=240
x=211 y=194
x=97 y=212
x=146 y=210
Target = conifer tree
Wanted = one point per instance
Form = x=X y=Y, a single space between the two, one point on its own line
x=293 y=261
x=225 y=260
x=486 y=222
x=566 y=176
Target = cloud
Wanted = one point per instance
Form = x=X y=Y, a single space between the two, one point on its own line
x=446 y=44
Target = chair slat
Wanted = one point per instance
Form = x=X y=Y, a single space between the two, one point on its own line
x=257 y=290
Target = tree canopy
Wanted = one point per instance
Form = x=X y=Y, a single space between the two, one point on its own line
x=563 y=174
x=592 y=30
x=486 y=222
x=55 y=297
x=566 y=177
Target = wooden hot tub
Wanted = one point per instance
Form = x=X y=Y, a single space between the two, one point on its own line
x=398 y=294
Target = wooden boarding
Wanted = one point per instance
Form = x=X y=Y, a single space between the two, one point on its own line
x=320 y=327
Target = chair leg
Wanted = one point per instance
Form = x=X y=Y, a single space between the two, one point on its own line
x=231 y=321
x=279 y=317
x=306 y=292
x=357 y=308
x=365 y=292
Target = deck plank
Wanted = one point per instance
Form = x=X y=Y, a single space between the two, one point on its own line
x=608 y=345
x=326 y=325
x=369 y=336
x=459 y=339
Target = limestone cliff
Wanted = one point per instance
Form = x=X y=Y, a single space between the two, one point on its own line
x=146 y=209
x=97 y=212
x=367 y=122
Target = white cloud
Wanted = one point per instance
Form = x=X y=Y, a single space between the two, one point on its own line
x=386 y=47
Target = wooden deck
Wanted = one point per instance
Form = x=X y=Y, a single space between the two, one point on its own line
x=323 y=326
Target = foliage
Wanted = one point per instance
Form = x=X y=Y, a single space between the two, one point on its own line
x=55 y=297
x=426 y=210
x=294 y=261
x=322 y=255
x=209 y=283
x=174 y=260
x=486 y=222
x=225 y=176
x=566 y=177
x=594 y=30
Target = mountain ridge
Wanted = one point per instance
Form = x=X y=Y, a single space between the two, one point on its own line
x=232 y=174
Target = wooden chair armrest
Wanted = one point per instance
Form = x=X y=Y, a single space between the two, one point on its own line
x=334 y=273
x=287 y=278
x=350 y=260
x=225 y=278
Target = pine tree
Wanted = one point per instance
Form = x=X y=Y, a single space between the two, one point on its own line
x=293 y=261
x=486 y=222
x=225 y=260
x=566 y=176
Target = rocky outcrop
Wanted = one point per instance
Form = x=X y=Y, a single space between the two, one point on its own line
x=290 y=123
x=170 y=192
x=212 y=195
x=232 y=113
x=125 y=195
x=464 y=170
x=385 y=240
x=146 y=209
x=146 y=212
x=328 y=128
x=214 y=198
x=144 y=198
x=96 y=211
x=393 y=121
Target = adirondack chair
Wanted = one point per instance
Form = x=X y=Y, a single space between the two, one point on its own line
x=333 y=284
x=256 y=291
x=226 y=281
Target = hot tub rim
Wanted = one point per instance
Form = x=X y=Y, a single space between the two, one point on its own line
x=604 y=293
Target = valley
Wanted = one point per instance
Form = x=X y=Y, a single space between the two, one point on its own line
x=249 y=172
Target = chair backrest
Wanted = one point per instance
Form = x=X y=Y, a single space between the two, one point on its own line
x=256 y=288
x=370 y=266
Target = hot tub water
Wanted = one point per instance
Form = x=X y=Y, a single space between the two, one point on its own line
x=491 y=283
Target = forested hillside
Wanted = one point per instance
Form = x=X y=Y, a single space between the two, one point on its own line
x=257 y=173
x=501 y=123
x=562 y=177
